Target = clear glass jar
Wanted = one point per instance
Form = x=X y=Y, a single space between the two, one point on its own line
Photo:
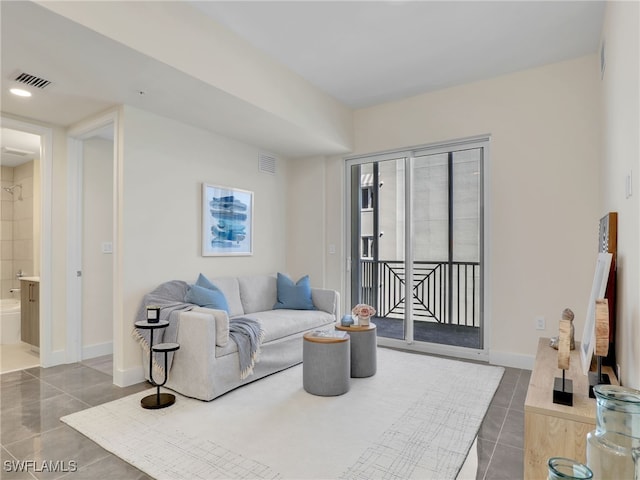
x=613 y=448
x=567 y=469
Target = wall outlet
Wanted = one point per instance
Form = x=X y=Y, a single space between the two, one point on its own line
x=540 y=323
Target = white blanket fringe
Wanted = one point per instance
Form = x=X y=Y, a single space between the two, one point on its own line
x=157 y=368
x=255 y=358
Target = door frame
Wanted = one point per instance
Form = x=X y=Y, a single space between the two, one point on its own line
x=485 y=226
x=75 y=138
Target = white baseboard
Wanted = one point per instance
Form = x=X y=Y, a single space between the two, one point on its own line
x=121 y=378
x=510 y=359
x=130 y=376
x=97 y=350
x=58 y=357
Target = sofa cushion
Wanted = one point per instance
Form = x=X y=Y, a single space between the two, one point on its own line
x=294 y=296
x=229 y=286
x=257 y=292
x=283 y=323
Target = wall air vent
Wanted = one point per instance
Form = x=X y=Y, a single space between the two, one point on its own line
x=267 y=163
x=31 y=80
x=16 y=151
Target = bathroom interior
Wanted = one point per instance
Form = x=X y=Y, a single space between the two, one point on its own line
x=20 y=239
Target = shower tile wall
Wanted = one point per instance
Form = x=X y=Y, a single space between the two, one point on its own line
x=17 y=235
x=6 y=234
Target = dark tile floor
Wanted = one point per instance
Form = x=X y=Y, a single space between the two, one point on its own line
x=33 y=400
x=501 y=436
x=431 y=332
x=31 y=404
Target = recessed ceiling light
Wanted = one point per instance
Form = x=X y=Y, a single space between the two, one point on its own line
x=20 y=92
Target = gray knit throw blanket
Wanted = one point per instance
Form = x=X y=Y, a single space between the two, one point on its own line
x=248 y=335
x=169 y=296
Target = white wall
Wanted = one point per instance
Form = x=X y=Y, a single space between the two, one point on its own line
x=543 y=185
x=621 y=156
x=165 y=163
x=286 y=103
x=306 y=240
x=59 y=245
x=97 y=267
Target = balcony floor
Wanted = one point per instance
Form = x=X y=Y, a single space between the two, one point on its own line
x=432 y=332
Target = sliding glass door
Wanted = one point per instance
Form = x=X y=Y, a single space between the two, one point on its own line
x=416 y=240
x=378 y=239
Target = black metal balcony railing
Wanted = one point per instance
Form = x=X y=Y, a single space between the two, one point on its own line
x=443 y=292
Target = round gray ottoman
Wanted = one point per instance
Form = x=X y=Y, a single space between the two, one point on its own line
x=326 y=365
x=363 y=349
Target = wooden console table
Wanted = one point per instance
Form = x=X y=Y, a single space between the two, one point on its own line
x=552 y=430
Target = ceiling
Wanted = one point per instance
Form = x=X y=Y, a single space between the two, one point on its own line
x=361 y=53
x=18 y=147
x=364 y=53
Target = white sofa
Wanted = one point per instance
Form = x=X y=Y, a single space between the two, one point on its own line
x=201 y=369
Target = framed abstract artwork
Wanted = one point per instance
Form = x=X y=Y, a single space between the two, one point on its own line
x=227 y=221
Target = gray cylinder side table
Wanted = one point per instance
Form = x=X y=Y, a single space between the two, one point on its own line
x=363 y=349
x=326 y=365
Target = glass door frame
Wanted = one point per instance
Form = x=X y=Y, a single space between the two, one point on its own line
x=409 y=155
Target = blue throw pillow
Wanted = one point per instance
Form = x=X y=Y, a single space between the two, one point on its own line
x=206 y=294
x=205 y=282
x=294 y=296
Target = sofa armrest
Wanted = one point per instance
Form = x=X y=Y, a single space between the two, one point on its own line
x=221 y=320
x=192 y=371
x=326 y=300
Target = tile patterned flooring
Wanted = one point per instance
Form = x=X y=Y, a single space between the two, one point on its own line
x=33 y=400
x=501 y=435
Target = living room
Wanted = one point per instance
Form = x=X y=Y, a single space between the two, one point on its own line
x=564 y=138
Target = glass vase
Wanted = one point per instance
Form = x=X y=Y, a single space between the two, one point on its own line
x=567 y=469
x=347 y=321
x=613 y=448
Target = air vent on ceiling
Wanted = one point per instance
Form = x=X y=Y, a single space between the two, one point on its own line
x=16 y=151
x=31 y=80
x=267 y=163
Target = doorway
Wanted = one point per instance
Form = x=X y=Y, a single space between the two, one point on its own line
x=417 y=245
x=20 y=176
x=26 y=245
x=90 y=332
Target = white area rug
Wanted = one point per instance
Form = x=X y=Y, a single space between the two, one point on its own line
x=416 y=418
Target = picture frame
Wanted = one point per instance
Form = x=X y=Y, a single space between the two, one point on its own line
x=600 y=278
x=227 y=221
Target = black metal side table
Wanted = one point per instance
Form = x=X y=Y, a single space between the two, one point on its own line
x=157 y=400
